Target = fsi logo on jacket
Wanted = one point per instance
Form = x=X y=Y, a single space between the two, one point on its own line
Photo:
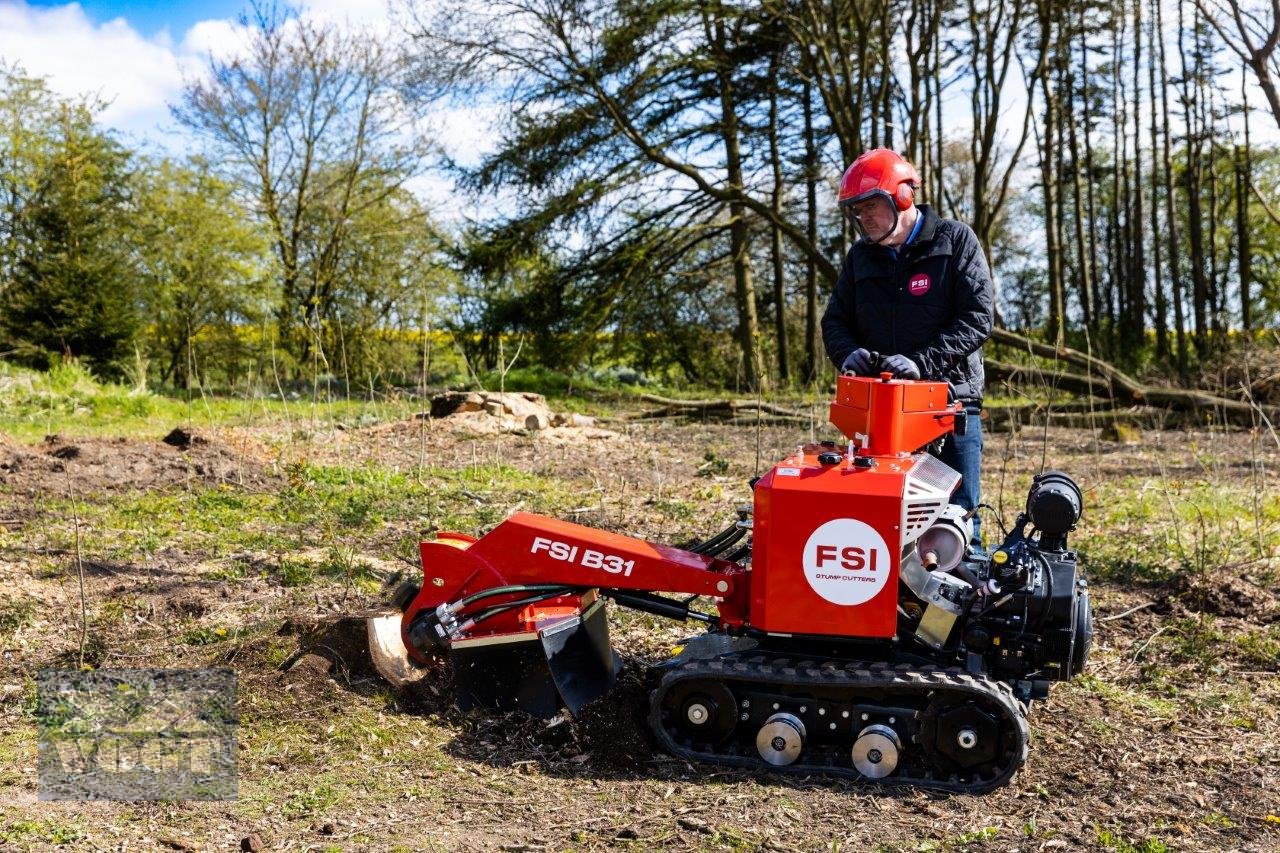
x=919 y=284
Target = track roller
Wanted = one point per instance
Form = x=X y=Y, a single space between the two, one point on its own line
x=780 y=739
x=875 y=752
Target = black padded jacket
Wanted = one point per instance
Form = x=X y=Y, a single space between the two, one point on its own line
x=934 y=303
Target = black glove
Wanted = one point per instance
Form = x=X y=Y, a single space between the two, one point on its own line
x=901 y=367
x=858 y=363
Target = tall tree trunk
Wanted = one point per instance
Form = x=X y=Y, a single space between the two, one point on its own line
x=1116 y=243
x=1157 y=277
x=1092 y=207
x=1121 y=334
x=775 y=202
x=1059 y=223
x=739 y=236
x=939 y=136
x=1243 y=260
x=811 y=345
x=1192 y=179
x=1056 y=328
x=1244 y=179
x=1213 y=289
x=1138 y=279
x=1082 y=251
x=885 y=103
x=1170 y=219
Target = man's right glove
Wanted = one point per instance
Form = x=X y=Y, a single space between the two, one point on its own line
x=901 y=367
x=858 y=363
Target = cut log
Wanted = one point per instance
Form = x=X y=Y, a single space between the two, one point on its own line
x=1002 y=418
x=451 y=402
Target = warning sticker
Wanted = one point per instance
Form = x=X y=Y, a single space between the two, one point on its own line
x=846 y=561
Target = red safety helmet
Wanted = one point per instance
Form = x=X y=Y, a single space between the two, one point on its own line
x=880 y=171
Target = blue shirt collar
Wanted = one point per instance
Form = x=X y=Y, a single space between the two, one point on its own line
x=915 y=229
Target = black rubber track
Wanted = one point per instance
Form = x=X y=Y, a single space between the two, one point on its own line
x=922 y=685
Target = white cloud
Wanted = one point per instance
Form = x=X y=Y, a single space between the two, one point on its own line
x=373 y=14
x=216 y=37
x=112 y=61
x=141 y=76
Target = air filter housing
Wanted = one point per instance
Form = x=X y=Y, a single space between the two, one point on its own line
x=1053 y=505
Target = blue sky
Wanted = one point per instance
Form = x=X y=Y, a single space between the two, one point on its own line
x=150 y=18
x=136 y=56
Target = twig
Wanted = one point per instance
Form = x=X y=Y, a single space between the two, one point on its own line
x=1143 y=648
x=1131 y=610
x=75 y=520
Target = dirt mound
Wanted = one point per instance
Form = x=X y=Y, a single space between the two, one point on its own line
x=610 y=733
x=1221 y=594
x=107 y=465
x=614 y=729
x=183 y=437
x=337 y=647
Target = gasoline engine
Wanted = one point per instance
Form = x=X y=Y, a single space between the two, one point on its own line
x=856 y=632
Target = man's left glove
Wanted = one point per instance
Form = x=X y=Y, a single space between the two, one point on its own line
x=901 y=367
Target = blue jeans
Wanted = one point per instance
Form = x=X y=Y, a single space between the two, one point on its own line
x=964 y=454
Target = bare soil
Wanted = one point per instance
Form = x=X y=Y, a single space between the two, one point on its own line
x=1171 y=741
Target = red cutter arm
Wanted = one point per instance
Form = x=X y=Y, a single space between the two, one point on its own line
x=534 y=549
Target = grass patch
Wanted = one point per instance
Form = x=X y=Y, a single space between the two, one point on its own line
x=46 y=830
x=1133 y=700
x=1111 y=840
x=1148 y=529
x=1260 y=647
x=15 y=614
x=205 y=635
x=336 y=506
x=69 y=401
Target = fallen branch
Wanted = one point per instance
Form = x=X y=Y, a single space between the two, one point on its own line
x=726 y=408
x=1078 y=414
x=1022 y=374
x=1127 y=390
x=1128 y=612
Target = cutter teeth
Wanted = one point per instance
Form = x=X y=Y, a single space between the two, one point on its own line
x=387 y=649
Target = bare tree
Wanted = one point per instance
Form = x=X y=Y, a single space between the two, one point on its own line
x=307 y=120
x=1253 y=32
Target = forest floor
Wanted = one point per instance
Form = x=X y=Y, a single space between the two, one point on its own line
x=224 y=552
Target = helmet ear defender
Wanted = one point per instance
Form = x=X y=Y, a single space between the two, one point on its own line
x=904 y=195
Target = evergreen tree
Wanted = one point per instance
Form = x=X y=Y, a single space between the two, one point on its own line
x=72 y=290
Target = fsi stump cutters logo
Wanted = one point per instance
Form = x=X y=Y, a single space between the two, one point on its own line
x=846 y=561
x=919 y=284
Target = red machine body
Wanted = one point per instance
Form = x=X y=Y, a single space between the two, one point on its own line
x=817 y=569
x=891 y=417
x=828 y=533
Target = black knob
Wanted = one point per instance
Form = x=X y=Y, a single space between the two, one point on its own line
x=829 y=457
x=863 y=462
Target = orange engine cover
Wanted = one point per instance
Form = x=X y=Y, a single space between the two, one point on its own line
x=828 y=538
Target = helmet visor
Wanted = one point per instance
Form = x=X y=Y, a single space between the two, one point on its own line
x=873 y=215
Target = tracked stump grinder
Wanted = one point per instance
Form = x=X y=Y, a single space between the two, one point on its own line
x=855 y=631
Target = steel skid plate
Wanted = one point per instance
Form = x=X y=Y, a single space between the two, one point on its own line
x=566 y=664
